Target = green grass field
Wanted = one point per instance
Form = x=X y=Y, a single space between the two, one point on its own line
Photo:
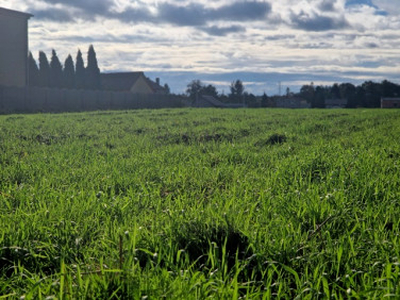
x=200 y=203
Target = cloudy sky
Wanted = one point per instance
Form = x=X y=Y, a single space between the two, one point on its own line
x=262 y=43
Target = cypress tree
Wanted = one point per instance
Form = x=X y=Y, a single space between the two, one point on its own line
x=69 y=73
x=92 y=70
x=33 y=71
x=79 y=71
x=55 y=71
x=44 y=70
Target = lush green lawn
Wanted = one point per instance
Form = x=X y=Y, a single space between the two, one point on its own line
x=192 y=203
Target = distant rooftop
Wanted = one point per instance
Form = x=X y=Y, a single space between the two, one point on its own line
x=124 y=81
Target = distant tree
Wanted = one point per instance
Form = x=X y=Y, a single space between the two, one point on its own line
x=209 y=90
x=167 y=89
x=335 y=91
x=69 y=73
x=92 y=71
x=373 y=93
x=347 y=90
x=359 y=98
x=237 y=90
x=319 y=98
x=44 y=70
x=264 y=100
x=56 y=74
x=251 y=100
x=80 y=72
x=33 y=71
x=197 y=88
x=389 y=89
x=223 y=98
x=308 y=92
x=193 y=89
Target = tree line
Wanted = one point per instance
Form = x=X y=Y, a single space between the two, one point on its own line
x=367 y=94
x=71 y=76
x=237 y=94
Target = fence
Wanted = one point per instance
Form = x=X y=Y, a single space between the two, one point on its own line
x=36 y=99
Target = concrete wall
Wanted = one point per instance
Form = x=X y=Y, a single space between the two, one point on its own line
x=13 y=48
x=36 y=99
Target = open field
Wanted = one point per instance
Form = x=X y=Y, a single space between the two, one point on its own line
x=197 y=203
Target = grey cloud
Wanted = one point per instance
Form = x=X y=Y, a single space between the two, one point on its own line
x=197 y=15
x=182 y=15
x=54 y=14
x=190 y=15
x=278 y=37
x=92 y=7
x=133 y=15
x=326 y=5
x=222 y=31
x=371 y=45
x=318 y=22
x=242 y=11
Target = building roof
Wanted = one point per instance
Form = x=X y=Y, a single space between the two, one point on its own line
x=119 y=81
x=14 y=13
x=157 y=88
x=124 y=81
x=212 y=101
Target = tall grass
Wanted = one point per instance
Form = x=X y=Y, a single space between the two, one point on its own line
x=191 y=204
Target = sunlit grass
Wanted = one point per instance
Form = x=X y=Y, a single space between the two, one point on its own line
x=190 y=204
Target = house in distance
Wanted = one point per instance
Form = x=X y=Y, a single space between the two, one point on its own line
x=390 y=102
x=13 y=47
x=134 y=82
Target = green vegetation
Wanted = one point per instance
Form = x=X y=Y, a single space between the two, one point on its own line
x=191 y=203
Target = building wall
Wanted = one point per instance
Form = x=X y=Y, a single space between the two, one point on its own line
x=141 y=86
x=13 y=48
x=390 y=103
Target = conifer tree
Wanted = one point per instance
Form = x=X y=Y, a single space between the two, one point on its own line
x=69 y=73
x=44 y=70
x=264 y=100
x=237 y=90
x=92 y=71
x=167 y=89
x=33 y=71
x=56 y=75
x=79 y=71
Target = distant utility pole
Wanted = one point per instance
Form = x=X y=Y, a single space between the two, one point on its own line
x=280 y=88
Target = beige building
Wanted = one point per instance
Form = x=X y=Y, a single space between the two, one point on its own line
x=13 y=47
